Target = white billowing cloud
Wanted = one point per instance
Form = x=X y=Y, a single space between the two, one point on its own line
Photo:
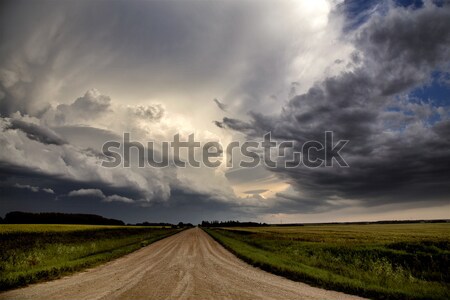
x=69 y=162
x=148 y=112
x=86 y=192
x=118 y=198
x=34 y=189
x=48 y=190
x=28 y=187
x=90 y=106
x=97 y=193
x=71 y=152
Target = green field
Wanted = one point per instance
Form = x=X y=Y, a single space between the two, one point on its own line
x=32 y=253
x=381 y=261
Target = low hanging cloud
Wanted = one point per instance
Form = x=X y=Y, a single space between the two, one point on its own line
x=86 y=192
x=118 y=198
x=34 y=189
x=36 y=132
x=96 y=193
x=48 y=190
x=28 y=187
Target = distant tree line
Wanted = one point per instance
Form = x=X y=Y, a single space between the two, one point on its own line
x=255 y=224
x=231 y=224
x=17 y=217
x=152 y=224
x=179 y=225
x=367 y=222
x=184 y=225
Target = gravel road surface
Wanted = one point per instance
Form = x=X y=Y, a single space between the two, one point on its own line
x=187 y=265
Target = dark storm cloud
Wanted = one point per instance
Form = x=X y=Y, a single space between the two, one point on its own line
x=61 y=186
x=63 y=167
x=104 y=199
x=36 y=132
x=238 y=125
x=237 y=176
x=187 y=211
x=253 y=192
x=88 y=138
x=196 y=207
x=396 y=154
x=220 y=105
x=218 y=124
x=406 y=46
x=73 y=173
x=293 y=204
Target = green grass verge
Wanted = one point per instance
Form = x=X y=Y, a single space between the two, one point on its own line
x=34 y=253
x=400 y=261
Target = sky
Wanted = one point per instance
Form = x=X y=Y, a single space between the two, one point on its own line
x=77 y=74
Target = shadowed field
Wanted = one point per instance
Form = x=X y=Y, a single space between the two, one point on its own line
x=31 y=253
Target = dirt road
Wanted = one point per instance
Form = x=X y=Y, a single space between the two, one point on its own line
x=188 y=265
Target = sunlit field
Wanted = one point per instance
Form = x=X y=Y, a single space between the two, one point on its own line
x=31 y=253
x=383 y=261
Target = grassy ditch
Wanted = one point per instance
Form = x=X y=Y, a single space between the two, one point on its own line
x=381 y=261
x=32 y=253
